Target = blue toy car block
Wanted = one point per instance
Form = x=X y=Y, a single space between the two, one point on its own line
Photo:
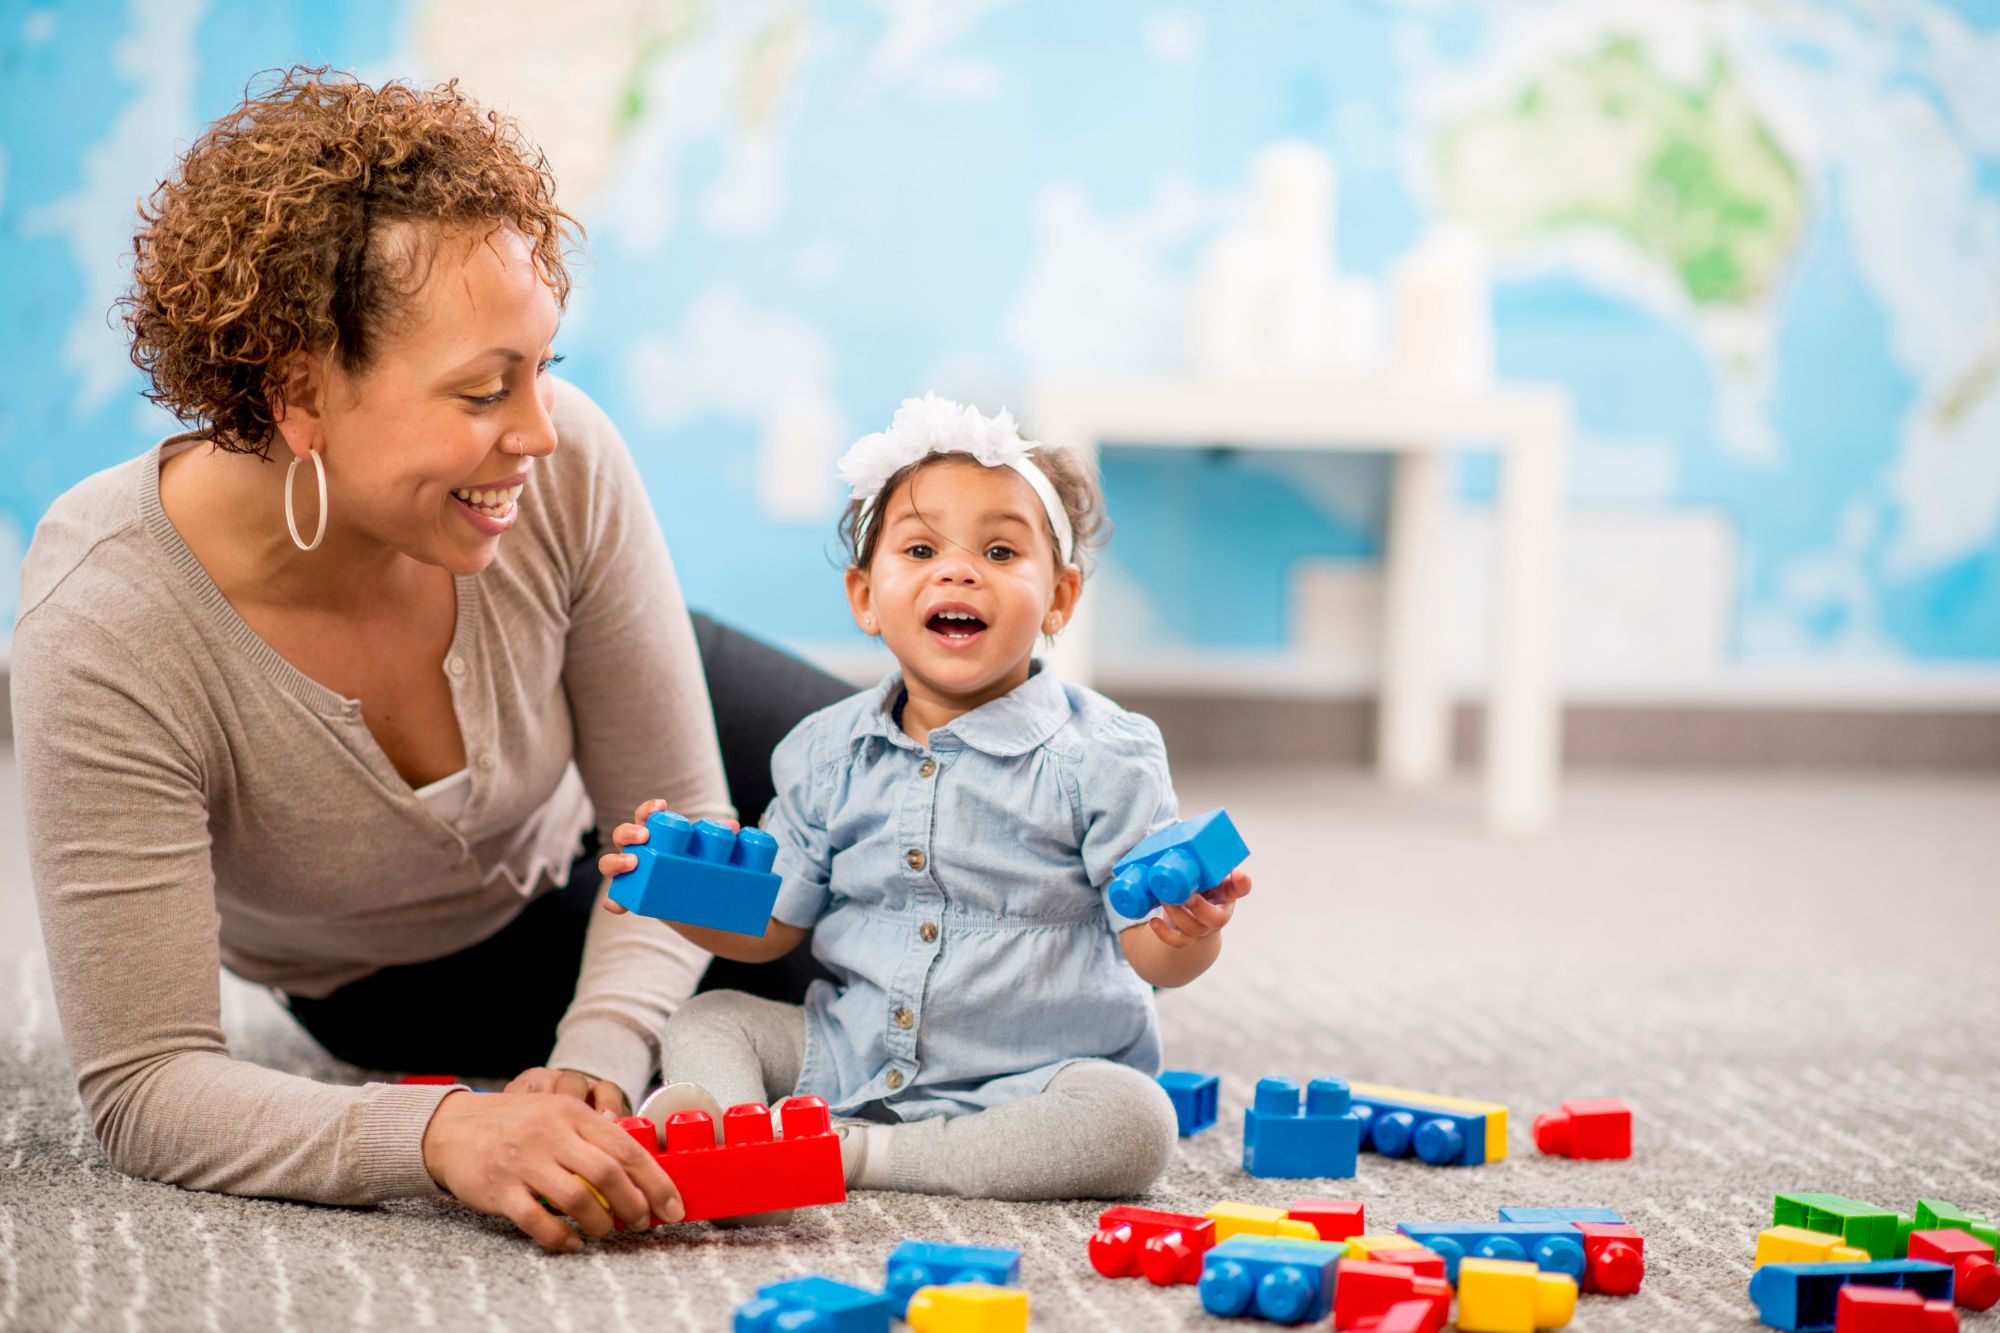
x=1176 y=863
x=1553 y=1247
x=1803 y=1298
x=1194 y=1097
x=1443 y=1131
x=1284 y=1281
x=1549 y=1215
x=1280 y=1141
x=813 y=1305
x=923 y=1263
x=705 y=874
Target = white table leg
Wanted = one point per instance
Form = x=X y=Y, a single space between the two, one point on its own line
x=1524 y=716
x=1413 y=723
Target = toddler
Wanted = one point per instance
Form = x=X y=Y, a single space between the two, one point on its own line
x=948 y=837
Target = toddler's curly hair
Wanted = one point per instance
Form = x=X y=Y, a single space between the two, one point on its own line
x=268 y=240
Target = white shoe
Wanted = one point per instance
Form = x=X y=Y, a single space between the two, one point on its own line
x=663 y=1103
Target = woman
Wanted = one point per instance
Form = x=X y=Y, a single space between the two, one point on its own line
x=351 y=726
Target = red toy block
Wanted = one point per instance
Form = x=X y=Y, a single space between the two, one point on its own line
x=1333 y=1219
x=1166 y=1247
x=1601 y=1128
x=1977 y=1281
x=1864 y=1309
x=427 y=1080
x=1614 y=1258
x=1365 y=1289
x=1404 y=1317
x=750 y=1171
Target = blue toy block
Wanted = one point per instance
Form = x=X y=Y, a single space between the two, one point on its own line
x=1553 y=1247
x=1803 y=1297
x=813 y=1305
x=1194 y=1097
x=1547 y=1215
x=1286 y=1282
x=1439 y=1134
x=1176 y=863
x=923 y=1263
x=1281 y=1142
x=705 y=874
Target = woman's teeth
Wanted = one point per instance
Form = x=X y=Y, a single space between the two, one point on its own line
x=492 y=503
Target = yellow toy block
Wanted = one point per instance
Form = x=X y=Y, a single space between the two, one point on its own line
x=968 y=1307
x=1496 y=1114
x=1503 y=1296
x=1247 y=1219
x=1367 y=1247
x=1796 y=1245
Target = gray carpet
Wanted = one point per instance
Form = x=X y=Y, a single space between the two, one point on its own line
x=1792 y=981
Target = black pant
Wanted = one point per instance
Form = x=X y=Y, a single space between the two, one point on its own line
x=491 y=1010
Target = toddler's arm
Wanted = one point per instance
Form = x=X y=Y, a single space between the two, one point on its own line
x=777 y=940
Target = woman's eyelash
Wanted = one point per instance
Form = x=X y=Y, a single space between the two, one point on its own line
x=488 y=400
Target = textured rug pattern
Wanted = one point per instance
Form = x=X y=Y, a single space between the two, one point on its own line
x=1791 y=982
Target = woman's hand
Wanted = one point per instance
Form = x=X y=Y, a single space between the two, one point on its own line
x=504 y=1152
x=618 y=862
x=1181 y=924
x=599 y=1094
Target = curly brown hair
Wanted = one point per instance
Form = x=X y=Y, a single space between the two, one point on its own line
x=268 y=239
x=1076 y=486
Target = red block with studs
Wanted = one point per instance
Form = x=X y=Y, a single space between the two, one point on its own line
x=1890 y=1310
x=1614 y=1258
x=1365 y=1289
x=751 y=1170
x=1165 y=1247
x=1975 y=1281
x=1333 y=1219
x=1600 y=1128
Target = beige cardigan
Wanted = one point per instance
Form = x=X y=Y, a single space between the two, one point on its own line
x=192 y=799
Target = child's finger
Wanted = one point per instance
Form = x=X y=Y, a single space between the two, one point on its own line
x=1167 y=933
x=628 y=835
x=649 y=807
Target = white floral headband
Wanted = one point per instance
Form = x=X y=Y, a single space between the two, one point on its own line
x=934 y=425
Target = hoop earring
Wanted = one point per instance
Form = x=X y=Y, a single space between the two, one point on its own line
x=291 y=522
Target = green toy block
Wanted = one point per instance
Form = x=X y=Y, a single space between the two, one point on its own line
x=1933 y=1215
x=1882 y=1233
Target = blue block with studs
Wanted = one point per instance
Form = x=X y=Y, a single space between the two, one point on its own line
x=813 y=1305
x=1176 y=863
x=704 y=874
x=1285 y=1141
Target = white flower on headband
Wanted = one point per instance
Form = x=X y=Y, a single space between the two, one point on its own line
x=934 y=425
x=929 y=425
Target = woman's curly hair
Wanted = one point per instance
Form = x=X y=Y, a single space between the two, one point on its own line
x=260 y=246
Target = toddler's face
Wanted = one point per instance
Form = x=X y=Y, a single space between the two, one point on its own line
x=962 y=581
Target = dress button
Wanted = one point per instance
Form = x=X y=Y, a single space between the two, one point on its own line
x=486 y=759
x=929 y=767
x=904 y=1018
x=928 y=931
x=915 y=858
x=895 y=1079
x=455 y=665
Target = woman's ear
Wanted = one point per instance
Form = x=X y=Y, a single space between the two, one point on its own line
x=296 y=390
x=861 y=600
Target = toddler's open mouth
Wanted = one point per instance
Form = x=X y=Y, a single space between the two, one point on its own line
x=957 y=626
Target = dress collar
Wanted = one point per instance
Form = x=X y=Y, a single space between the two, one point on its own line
x=1015 y=723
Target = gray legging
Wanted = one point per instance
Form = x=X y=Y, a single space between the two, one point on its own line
x=1098 y=1131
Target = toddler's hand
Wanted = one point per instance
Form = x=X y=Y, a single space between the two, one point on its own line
x=614 y=863
x=1181 y=924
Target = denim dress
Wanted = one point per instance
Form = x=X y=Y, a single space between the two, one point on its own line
x=956 y=890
